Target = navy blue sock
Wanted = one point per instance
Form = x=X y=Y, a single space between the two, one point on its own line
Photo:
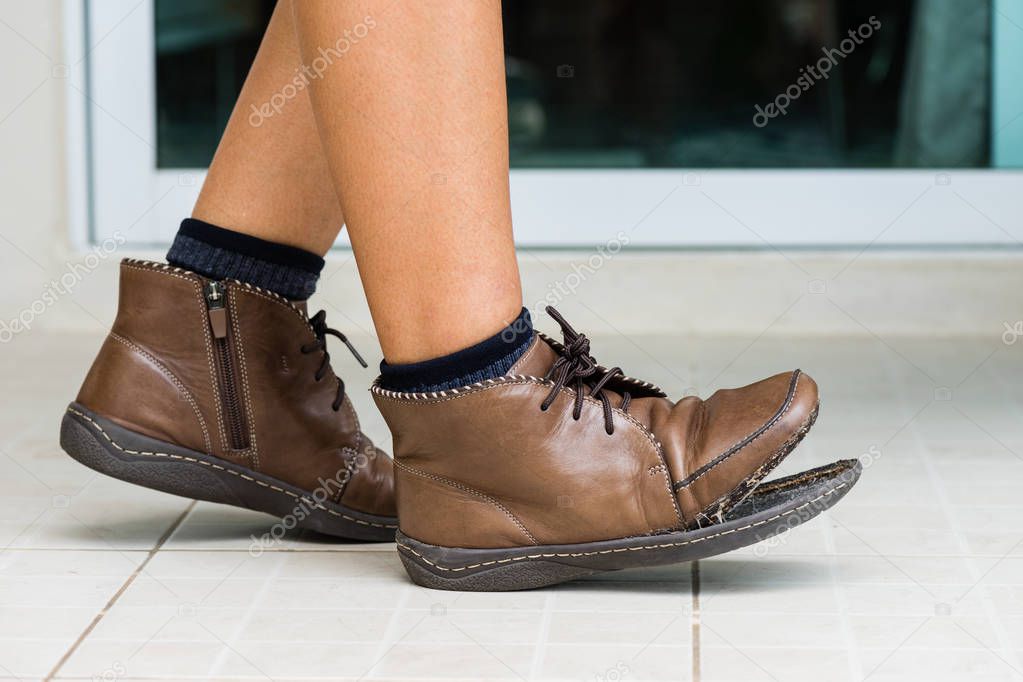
x=488 y=359
x=224 y=254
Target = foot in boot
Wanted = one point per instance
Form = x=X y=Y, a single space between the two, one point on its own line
x=563 y=468
x=222 y=391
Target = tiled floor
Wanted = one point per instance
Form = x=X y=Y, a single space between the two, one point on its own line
x=918 y=574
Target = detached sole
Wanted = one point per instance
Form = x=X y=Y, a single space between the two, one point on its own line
x=100 y=444
x=772 y=508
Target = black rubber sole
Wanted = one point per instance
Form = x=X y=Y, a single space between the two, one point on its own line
x=100 y=444
x=772 y=508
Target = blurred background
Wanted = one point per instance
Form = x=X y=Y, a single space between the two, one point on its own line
x=661 y=84
x=735 y=155
x=712 y=191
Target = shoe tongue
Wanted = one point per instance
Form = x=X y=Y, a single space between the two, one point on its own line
x=540 y=357
x=537 y=360
x=303 y=306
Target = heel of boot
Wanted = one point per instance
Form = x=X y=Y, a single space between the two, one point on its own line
x=108 y=448
x=137 y=459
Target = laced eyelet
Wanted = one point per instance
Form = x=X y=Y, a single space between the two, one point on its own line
x=575 y=370
x=318 y=322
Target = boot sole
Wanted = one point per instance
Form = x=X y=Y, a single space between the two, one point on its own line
x=771 y=509
x=102 y=445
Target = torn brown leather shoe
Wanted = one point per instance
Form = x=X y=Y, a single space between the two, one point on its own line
x=564 y=468
x=222 y=391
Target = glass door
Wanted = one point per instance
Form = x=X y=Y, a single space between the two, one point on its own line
x=741 y=123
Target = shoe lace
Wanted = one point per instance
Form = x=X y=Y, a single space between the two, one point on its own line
x=576 y=368
x=321 y=330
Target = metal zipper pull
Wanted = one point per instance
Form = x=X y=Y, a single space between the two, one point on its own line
x=215 y=308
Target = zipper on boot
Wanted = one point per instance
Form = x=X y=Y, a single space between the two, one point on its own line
x=230 y=395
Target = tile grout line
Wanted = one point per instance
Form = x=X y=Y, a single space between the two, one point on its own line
x=540 y=652
x=255 y=600
x=937 y=484
x=389 y=640
x=205 y=550
x=838 y=590
x=990 y=612
x=117 y=595
x=694 y=589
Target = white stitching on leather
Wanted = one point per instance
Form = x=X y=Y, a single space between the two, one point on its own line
x=451 y=394
x=665 y=545
x=228 y=469
x=521 y=379
x=210 y=362
x=435 y=397
x=472 y=491
x=273 y=298
x=171 y=271
x=239 y=344
x=355 y=417
x=188 y=275
x=480 y=386
x=789 y=400
x=752 y=481
x=355 y=451
x=350 y=463
x=159 y=268
x=526 y=354
x=639 y=383
x=186 y=394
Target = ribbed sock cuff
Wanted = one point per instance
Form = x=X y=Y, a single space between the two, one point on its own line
x=487 y=359
x=224 y=254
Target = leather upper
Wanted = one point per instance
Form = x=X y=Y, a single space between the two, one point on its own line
x=485 y=466
x=157 y=373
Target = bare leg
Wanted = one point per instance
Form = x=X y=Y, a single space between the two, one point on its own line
x=269 y=177
x=413 y=118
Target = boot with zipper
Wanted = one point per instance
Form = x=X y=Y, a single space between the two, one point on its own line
x=564 y=468
x=221 y=391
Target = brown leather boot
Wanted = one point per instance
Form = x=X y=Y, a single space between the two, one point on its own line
x=221 y=391
x=564 y=468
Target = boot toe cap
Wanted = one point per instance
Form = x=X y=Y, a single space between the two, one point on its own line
x=745 y=433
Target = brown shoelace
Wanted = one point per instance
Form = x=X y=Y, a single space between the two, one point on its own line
x=576 y=368
x=320 y=328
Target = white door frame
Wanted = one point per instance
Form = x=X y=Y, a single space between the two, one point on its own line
x=121 y=190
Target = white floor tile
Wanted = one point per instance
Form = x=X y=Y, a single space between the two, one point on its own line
x=48 y=598
x=917 y=574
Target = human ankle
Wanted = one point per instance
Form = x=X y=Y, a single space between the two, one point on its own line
x=488 y=359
